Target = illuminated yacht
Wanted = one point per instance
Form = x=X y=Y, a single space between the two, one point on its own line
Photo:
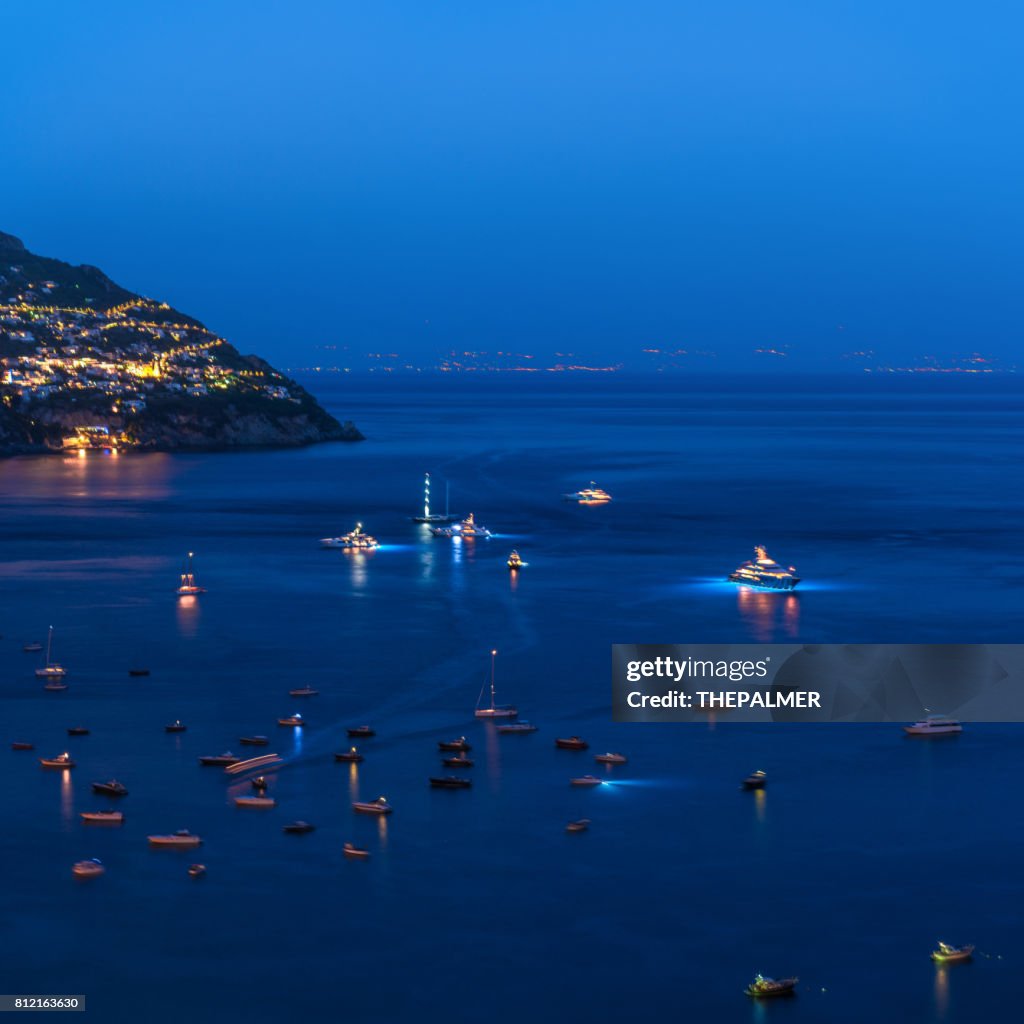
x=494 y=710
x=354 y=540
x=592 y=495
x=515 y=562
x=60 y=761
x=51 y=671
x=469 y=527
x=188 y=586
x=934 y=725
x=378 y=806
x=762 y=571
x=433 y=517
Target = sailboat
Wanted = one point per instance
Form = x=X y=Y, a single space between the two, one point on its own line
x=51 y=671
x=188 y=586
x=434 y=517
x=495 y=710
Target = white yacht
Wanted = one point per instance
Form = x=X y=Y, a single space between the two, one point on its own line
x=592 y=495
x=469 y=527
x=354 y=540
x=934 y=725
x=180 y=838
x=494 y=710
x=51 y=670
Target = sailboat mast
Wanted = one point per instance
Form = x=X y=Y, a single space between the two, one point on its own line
x=493 y=654
x=426 y=497
x=49 y=641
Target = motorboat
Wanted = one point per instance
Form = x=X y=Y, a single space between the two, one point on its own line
x=361 y=731
x=459 y=744
x=610 y=758
x=934 y=725
x=187 y=587
x=457 y=762
x=515 y=562
x=219 y=760
x=494 y=710
x=947 y=954
x=32 y=647
x=254 y=741
x=378 y=806
x=590 y=495
x=581 y=825
x=517 y=727
x=571 y=743
x=354 y=540
x=764 y=572
x=296 y=828
x=78 y=730
x=196 y=870
x=469 y=528
x=352 y=756
x=261 y=802
x=586 y=780
x=450 y=782
x=51 y=671
x=434 y=517
x=176 y=726
x=60 y=761
x=88 y=868
x=111 y=788
x=303 y=691
x=138 y=672
x=292 y=721
x=22 y=745
x=355 y=852
x=764 y=988
x=103 y=817
x=181 y=838
x=755 y=780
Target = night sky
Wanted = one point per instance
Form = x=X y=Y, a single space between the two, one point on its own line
x=548 y=176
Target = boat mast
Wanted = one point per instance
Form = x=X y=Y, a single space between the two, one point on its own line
x=493 y=655
x=426 y=496
x=49 y=641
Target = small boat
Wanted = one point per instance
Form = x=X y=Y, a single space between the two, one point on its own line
x=219 y=760
x=755 y=780
x=592 y=495
x=457 y=762
x=765 y=573
x=182 y=838
x=292 y=721
x=947 y=954
x=88 y=868
x=586 y=780
x=459 y=744
x=450 y=782
x=32 y=647
x=60 y=761
x=78 y=730
x=354 y=540
x=763 y=988
x=103 y=817
x=188 y=586
x=296 y=828
x=111 y=788
x=138 y=672
x=378 y=806
x=352 y=756
x=176 y=726
x=303 y=691
x=355 y=852
x=51 y=670
x=934 y=725
x=578 y=826
x=571 y=743
x=55 y=685
x=196 y=870
x=22 y=745
x=495 y=710
x=254 y=741
x=434 y=517
x=255 y=801
x=610 y=758
x=469 y=527
x=515 y=563
x=516 y=727
x=259 y=783
x=363 y=731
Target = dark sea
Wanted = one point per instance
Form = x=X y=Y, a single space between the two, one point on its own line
x=900 y=503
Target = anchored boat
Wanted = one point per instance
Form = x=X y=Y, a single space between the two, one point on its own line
x=495 y=710
x=762 y=571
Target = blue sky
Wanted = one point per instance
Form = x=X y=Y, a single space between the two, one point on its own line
x=591 y=177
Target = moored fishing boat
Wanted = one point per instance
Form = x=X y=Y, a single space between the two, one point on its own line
x=352 y=756
x=457 y=762
x=103 y=817
x=610 y=758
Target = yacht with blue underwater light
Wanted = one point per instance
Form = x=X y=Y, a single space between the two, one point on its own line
x=354 y=540
x=592 y=495
x=434 y=517
x=469 y=527
x=762 y=571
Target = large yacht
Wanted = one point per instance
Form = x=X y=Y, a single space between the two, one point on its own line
x=934 y=725
x=592 y=495
x=469 y=527
x=354 y=540
x=762 y=571
x=434 y=517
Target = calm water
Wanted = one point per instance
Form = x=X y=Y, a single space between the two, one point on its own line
x=900 y=507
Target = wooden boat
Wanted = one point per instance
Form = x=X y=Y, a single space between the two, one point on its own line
x=581 y=825
x=947 y=954
x=138 y=672
x=292 y=721
x=457 y=762
x=254 y=741
x=196 y=870
x=355 y=852
x=571 y=743
x=517 y=727
x=352 y=756
x=586 y=780
x=450 y=782
x=494 y=710
x=611 y=758
x=60 y=761
x=78 y=730
x=765 y=988
x=111 y=788
x=88 y=868
x=255 y=801
x=181 y=838
x=175 y=726
x=361 y=731
x=219 y=760
x=378 y=806
x=103 y=817
x=459 y=744
x=755 y=780
x=22 y=745
x=296 y=828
